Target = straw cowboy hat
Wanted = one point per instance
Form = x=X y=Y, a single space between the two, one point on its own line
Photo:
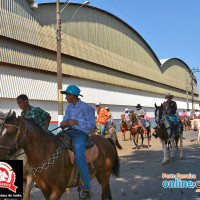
x=169 y=95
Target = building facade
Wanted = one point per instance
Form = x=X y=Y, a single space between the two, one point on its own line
x=101 y=54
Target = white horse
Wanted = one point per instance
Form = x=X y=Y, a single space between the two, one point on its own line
x=163 y=131
x=196 y=123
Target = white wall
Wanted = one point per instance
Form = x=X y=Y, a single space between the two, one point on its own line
x=42 y=87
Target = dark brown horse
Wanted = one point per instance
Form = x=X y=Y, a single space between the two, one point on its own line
x=50 y=160
x=124 y=127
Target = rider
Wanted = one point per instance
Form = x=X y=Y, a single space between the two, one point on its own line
x=140 y=112
x=189 y=113
x=184 y=115
x=80 y=117
x=41 y=117
x=172 y=109
x=102 y=117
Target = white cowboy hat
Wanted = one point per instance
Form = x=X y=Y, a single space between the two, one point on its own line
x=97 y=104
x=126 y=110
x=169 y=95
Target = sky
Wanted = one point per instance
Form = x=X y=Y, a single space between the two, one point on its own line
x=170 y=27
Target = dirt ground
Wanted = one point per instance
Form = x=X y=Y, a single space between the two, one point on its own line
x=141 y=172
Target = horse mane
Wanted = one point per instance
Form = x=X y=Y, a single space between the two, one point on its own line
x=32 y=121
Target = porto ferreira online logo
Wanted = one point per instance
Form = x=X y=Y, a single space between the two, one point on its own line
x=7 y=177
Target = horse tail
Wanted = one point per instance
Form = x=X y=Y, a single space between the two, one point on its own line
x=118 y=145
x=116 y=166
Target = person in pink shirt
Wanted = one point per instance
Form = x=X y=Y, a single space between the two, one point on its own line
x=184 y=114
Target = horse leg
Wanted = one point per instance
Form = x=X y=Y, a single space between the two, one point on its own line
x=164 y=146
x=148 y=137
x=172 y=149
x=103 y=179
x=68 y=190
x=28 y=187
x=181 y=146
x=134 y=141
x=55 y=195
x=142 y=137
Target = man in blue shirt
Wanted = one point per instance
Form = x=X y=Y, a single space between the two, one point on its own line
x=80 y=117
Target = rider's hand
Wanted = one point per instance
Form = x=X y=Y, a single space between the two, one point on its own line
x=73 y=122
x=65 y=123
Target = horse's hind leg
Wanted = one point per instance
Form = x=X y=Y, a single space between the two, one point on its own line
x=172 y=149
x=103 y=179
x=181 y=146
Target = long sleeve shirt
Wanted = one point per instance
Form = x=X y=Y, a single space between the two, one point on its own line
x=172 y=106
x=82 y=112
x=102 y=116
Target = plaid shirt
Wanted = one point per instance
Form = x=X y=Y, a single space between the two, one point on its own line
x=36 y=113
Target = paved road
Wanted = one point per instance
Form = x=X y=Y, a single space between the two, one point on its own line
x=141 y=171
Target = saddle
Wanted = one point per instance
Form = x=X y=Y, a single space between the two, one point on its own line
x=91 y=155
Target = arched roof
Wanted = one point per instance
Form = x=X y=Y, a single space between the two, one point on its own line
x=120 y=20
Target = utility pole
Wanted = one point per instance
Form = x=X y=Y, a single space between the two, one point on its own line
x=192 y=85
x=186 y=79
x=59 y=67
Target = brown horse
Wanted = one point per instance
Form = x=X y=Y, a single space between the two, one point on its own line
x=50 y=160
x=135 y=130
x=186 y=124
x=124 y=127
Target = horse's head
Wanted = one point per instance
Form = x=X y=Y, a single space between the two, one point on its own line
x=158 y=113
x=9 y=135
x=132 y=116
x=2 y=119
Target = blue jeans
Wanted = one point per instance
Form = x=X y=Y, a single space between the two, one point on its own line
x=143 y=123
x=79 y=145
x=103 y=128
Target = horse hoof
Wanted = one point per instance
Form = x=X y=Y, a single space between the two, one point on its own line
x=136 y=148
x=141 y=147
x=172 y=158
x=181 y=158
x=165 y=162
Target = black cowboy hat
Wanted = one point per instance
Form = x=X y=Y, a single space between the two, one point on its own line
x=138 y=105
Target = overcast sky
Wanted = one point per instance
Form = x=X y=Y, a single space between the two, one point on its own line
x=170 y=27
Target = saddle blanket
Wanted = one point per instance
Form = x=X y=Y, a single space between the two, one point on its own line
x=90 y=154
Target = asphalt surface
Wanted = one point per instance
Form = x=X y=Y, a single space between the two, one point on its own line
x=141 y=172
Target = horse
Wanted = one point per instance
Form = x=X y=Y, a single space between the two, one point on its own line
x=161 y=132
x=184 y=124
x=188 y=123
x=195 y=124
x=50 y=160
x=112 y=135
x=20 y=155
x=123 y=127
x=135 y=130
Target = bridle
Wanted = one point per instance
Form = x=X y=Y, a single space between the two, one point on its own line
x=14 y=144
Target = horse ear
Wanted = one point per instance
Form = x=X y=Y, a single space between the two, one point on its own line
x=9 y=113
x=161 y=105
x=155 y=105
x=13 y=113
x=20 y=118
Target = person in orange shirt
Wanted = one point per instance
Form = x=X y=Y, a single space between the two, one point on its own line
x=102 y=117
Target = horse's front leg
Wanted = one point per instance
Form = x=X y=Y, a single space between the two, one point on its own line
x=134 y=138
x=164 y=146
x=28 y=188
x=148 y=137
x=199 y=136
x=142 y=137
